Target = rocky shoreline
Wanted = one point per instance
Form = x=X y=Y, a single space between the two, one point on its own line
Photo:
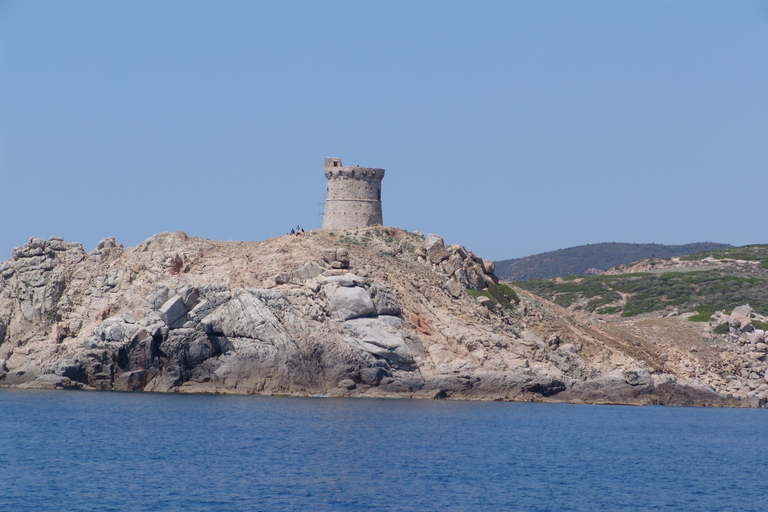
x=375 y=312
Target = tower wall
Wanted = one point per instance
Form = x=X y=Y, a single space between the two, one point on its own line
x=354 y=196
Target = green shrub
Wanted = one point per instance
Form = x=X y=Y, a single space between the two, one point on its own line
x=703 y=313
x=760 y=325
x=609 y=310
x=603 y=300
x=702 y=291
x=642 y=304
x=700 y=317
x=501 y=295
x=747 y=253
x=721 y=329
x=565 y=299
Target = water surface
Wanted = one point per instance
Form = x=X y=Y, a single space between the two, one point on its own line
x=110 y=451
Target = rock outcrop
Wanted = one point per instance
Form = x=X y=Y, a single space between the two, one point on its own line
x=372 y=312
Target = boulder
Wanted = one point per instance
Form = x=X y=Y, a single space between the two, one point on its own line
x=113 y=329
x=489 y=267
x=638 y=378
x=373 y=376
x=337 y=257
x=282 y=278
x=200 y=311
x=447 y=266
x=435 y=248
x=741 y=318
x=742 y=311
x=349 y=302
x=458 y=250
x=461 y=278
x=173 y=312
x=475 y=278
x=106 y=243
x=342 y=255
x=189 y=296
x=382 y=337
x=486 y=302
x=453 y=287
x=57 y=244
x=384 y=299
x=246 y=316
x=347 y=279
x=329 y=254
x=347 y=384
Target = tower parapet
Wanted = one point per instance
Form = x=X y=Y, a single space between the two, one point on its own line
x=353 y=196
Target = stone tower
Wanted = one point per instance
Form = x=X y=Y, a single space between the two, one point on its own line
x=354 y=196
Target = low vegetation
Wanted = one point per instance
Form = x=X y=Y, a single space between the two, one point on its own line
x=689 y=290
x=744 y=253
x=501 y=294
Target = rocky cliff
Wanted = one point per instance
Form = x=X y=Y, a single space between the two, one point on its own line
x=368 y=312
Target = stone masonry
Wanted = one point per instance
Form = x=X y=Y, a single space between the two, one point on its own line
x=354 y=196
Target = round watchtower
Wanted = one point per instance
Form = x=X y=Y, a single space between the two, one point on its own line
x=354 y=196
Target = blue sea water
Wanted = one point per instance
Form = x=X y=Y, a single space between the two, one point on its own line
x=108 y=451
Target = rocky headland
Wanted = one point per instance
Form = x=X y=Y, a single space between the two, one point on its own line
x=376 y=312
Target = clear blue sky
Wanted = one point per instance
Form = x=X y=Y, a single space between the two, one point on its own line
x=511 y=127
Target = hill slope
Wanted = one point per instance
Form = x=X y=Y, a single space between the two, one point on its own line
x=284 y=316
x=591 y=259
x=722 y=296
x=702 y=282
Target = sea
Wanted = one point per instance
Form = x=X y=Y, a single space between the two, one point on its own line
x=115 y=451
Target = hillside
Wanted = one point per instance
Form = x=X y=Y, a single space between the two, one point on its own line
x=701 y=282
x=375 y=312
x=591 y=259
x=722 y=295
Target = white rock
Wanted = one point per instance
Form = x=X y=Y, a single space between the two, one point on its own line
x=382 y=336
x=350 y=302
x=173 y=312
x=246 y=316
